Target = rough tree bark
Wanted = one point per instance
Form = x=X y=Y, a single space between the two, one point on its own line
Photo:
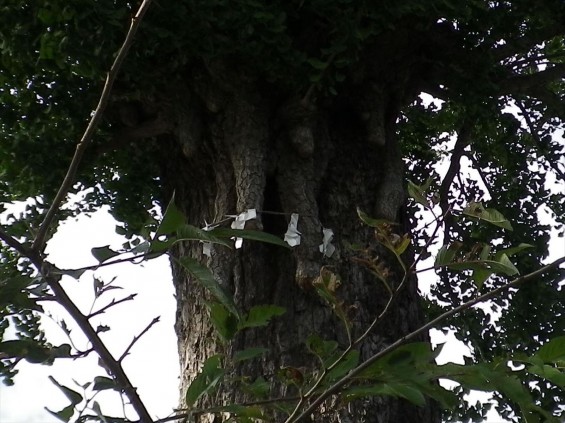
x=240 y=143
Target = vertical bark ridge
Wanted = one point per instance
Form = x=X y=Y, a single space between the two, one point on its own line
x=244 y=145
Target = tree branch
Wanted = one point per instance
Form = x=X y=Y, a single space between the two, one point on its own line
x=39 y=241
x=137 y=338
x=336 y=387
x=525 y=83
x=463 y=139
x=111 y=304
x=52 y=276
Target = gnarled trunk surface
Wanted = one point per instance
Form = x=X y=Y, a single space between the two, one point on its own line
x=240 y=145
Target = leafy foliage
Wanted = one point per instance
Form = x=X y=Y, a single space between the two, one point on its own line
x=478 y=57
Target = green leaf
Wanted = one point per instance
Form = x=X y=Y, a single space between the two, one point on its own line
x=402 y=361
x=192 y=233
x=76 y=274
x=512 y=250
x=553 y=351
x=492 y=216
x=446 y=254
x=317 y=64
x=206 y=380
x=506 y=266
x=260 y=388
x=102 y=383
x=172 y=219
x=224 y=321
x=65 y=414
x=485 y=252
x=250 y=235
x=411 y=393
x=13 y=292
x=261 y=315
x=320 y=347
x=61 y=351
x=96 y=408
x=205 y=277
x=369 y=221
x=399 y=390
x=101 y=254
x=550 y=373
x=73 y=396
x=248 y=354
x=29 y=349
x=480 y=275
x=418 y=193
x=349 y=362
x=503 y=266
x=402 y=245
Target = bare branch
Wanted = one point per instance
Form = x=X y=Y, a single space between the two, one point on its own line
x=39 y=241
x=336 y=387
x=112 y=304
x=138 y=337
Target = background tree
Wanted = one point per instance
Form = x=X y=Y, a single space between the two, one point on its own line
x=307 y=107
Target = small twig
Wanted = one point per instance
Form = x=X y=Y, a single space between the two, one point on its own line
x=336 y=387
x=426 y=269
x=39 y=241
x=137 y=338
x=146 y=256
x=430 y=240
x=112 y=304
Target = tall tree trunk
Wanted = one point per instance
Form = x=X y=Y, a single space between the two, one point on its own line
x=239 y=145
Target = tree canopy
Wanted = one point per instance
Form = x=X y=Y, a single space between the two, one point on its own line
x=496 y=67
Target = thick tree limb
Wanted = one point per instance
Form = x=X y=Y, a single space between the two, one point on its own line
x=523 y=84
x=340 y=384
x=526 y=43
x=148 y=129
x=39 y=241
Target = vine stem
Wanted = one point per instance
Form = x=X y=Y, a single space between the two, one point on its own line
x=336 y=387
x=40 y=239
